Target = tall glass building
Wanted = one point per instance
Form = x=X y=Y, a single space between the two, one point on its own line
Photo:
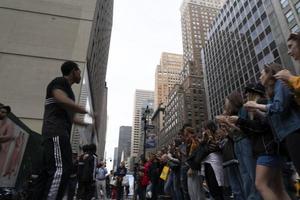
x=240 y=42
x=196 y=18
x=284 y=17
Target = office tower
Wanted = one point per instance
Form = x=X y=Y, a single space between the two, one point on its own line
x=196 y=18
x=115 y=160
x=240 y=42
x=141 y=96
x=166 y=76
x=284 y=19
x=158 y=121
x=97 y=57
x=83 y=135
x=124 y=142
x=175 y=116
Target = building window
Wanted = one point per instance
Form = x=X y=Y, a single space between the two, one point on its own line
x=289 y=16
x=297 y=6
x=284 y=3
x=295 y=29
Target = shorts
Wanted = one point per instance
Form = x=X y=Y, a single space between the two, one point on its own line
x=268 y=161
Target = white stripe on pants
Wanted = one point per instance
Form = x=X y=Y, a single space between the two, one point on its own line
x=58 y=173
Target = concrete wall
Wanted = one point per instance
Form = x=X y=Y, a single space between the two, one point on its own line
x=35 y=38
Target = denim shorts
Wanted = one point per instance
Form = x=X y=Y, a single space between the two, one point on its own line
x=268 y=160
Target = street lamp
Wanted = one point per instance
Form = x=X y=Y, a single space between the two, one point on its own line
x=145 y=120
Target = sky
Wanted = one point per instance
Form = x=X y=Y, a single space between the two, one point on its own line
x=142 y=30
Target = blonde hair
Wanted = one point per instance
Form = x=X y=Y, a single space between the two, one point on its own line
x=189 y=130
x=271 y=69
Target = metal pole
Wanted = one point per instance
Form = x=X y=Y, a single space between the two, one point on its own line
x=145 y=131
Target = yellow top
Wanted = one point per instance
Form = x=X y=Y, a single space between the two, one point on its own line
x=294 y=82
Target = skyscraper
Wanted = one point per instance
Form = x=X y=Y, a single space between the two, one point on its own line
x=175 y=115
x=124 y=142
x=115 y=160
x=284 y=19
x=240 y=41
x=158 y=121
x=97 y=57
x=141 y=96
x=166 y=76
x=196 y=18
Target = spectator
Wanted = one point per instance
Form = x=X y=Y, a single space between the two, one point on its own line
x=101 y=180
x=121 y=172
x=284 y=115
x=213 y=167
x=86 y=174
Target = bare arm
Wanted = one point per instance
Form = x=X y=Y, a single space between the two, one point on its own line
x=4 y=139
x=254 y=105
x=62 y=98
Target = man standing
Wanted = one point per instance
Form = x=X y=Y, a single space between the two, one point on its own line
x=101 y=180
x=121 y=172
x=87 y=173
x=60 y=110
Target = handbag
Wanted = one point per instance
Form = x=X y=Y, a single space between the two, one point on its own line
x=113 y=181
x=228 y=154
x=164 y=173
x=195 y=159
x=149 y=191
x=125 y=181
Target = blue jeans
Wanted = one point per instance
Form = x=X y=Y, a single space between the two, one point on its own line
x=176 y=185
x=235 y=181
x=168 y=187
x=183 y=181
x=243 y=152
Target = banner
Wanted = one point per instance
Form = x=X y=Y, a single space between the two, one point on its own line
x=11 y=152
x=151 y=140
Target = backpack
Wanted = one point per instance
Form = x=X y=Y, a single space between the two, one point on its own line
x=86 y=169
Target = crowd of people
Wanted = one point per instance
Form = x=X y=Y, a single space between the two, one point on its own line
x=250 y=151
x=91 y=180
